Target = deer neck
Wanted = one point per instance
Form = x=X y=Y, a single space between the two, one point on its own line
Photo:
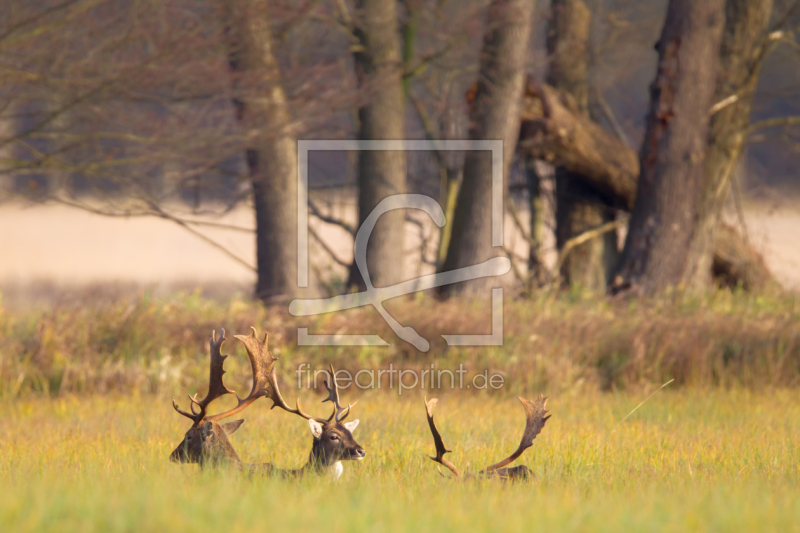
x=320 y=465
x=220 y=453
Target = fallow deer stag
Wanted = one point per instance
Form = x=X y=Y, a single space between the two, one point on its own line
x=333 y=440
x=535 y=415
x=191 y=449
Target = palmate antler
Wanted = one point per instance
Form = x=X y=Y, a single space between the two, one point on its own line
x=261 y=363
x=534 y=423
x=216 y=387
x=258 y=351
x=535 y=418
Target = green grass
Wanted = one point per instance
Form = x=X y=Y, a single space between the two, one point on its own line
x=687 y=460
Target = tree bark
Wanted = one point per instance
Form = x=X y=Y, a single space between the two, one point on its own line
x=380 y=173
x=261 y=105
x=537 y=270
x=741 y=56
x=665 y=214
x=552 y=133
x=494 y=114
x=578 y=207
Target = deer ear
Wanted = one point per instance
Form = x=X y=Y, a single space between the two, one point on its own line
x=316 y=428
x=352 y=425
x=230 y=427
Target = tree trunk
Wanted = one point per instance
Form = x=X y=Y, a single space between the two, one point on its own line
x=380 y=173
x=537 y=270
x=451 y=177
x=261 y=105
x=578 y=207
x=552 y=133
x=741 y=55
x=494 y=114
x=665 y=214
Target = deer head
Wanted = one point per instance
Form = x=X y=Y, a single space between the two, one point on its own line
x=535 y=419
x=333 y=438
x=204 y=426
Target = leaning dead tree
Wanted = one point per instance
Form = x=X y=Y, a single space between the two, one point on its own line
x=553 y=132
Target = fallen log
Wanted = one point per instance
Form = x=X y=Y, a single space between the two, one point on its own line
x=551 y=131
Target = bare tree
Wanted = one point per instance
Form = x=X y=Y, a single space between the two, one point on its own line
x=494 y=114
x=744 y=45
x=664 y=218
x=381 y=173
x=261 y=106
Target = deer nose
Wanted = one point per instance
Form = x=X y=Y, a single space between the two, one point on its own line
x=361 y=452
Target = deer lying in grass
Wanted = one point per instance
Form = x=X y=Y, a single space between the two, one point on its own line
x=333 y=440
x=535 y=419
x=190 y=450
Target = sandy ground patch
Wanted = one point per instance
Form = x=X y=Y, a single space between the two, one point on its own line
x=62 y=246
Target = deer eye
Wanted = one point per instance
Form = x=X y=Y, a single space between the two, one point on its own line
x=334 y=437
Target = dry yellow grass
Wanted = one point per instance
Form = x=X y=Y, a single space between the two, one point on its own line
x=87 y=421
x=685 y=461
x=561 y=342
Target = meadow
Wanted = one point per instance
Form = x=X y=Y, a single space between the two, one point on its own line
x=684 y=461
x=88 y=423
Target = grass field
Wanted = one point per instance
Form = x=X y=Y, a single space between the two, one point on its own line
x=87 y=422
x=687 y=460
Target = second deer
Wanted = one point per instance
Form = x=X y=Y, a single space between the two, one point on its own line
x=535 y=418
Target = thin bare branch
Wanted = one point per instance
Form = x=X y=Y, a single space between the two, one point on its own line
x=327 y=248
x=156 y=211
x=612 y=119
x=776 y=122
x=330 y=220
x=584 y=237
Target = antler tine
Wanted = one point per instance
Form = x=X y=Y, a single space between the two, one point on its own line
x=333 y=396
x=181 y=411
x=278 y=401
x=261 y=364
x=536 y=415
x=437 y=439
x=216 y=387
